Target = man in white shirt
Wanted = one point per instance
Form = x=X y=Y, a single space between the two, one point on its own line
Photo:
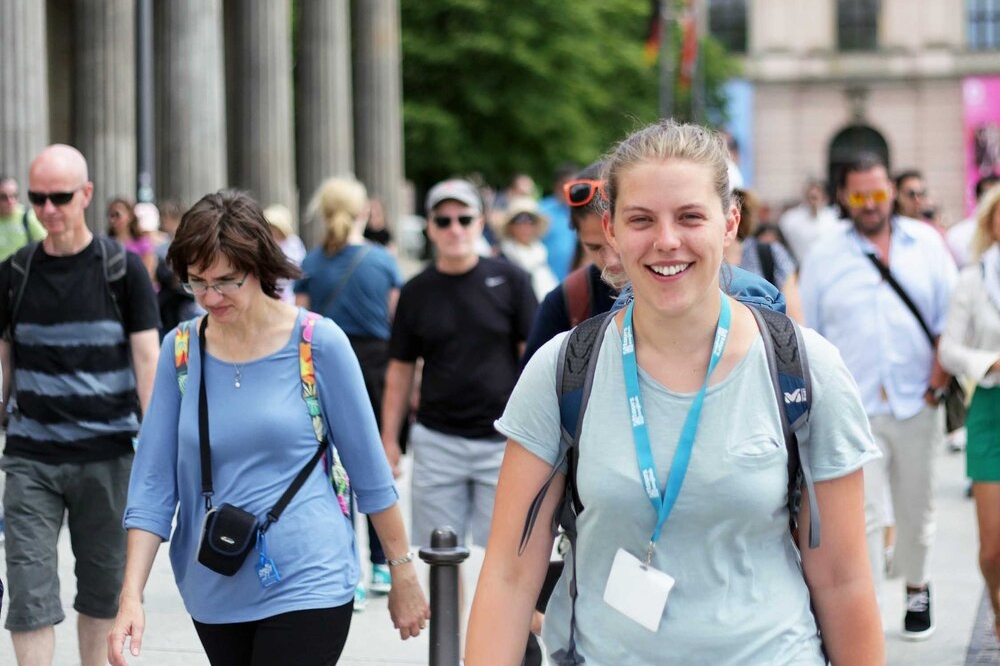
x=812 y=218
x=846 y=299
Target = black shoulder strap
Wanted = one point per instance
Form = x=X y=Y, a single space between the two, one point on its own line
x=20 y=267
x=888 y=277
x=790 y=378
x=766 y=254
x=115 y=264
x=27 y=227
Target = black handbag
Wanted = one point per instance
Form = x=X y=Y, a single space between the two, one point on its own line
x=228 y=532
x=955 y=407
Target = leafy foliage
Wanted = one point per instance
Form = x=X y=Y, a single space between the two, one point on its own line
x=497 y=87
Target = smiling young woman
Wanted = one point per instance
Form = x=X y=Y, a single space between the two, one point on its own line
x=738 y=591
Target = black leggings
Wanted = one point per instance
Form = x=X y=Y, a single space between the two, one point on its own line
x=305 y=638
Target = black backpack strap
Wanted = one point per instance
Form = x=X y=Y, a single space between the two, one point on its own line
x=27 y=227
x=766 y=255
x=20 y=268
x=790 y=378
x=115 y=263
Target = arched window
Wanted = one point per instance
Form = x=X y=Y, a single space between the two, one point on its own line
x=857 y=25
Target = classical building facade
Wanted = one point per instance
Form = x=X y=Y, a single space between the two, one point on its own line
x=829 y=77
x=235 y=102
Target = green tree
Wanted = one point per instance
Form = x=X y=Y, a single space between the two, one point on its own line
x=501 y=86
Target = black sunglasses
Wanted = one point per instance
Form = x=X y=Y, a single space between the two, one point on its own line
x=57 y=198
x=443 y=221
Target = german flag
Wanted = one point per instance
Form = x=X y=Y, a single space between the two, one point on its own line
x=654 y=34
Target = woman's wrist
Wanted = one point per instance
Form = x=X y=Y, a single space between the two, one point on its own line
x=407 y=558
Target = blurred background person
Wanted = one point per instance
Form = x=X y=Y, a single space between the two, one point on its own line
x=809 y=220
x=520 y=243
x=356 y=284
x=559 y=240
x=123 y=226
x=960 y=235
x=280 y=220
x=970 y=347
x=376 y=229
x=18 y=224
x=771 y=261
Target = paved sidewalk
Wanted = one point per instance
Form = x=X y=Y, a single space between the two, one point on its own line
x=171 y=641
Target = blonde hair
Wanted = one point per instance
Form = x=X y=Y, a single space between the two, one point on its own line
x=985 y=211
x=337 y=203
x=667 y=140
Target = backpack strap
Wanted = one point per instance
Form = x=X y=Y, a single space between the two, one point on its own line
x=27 y=227
x=20 y=267
x=790 y=378
x=310 y=395
x=575 y=370
x=576 y=295
x=115 y=263
x=182 y=346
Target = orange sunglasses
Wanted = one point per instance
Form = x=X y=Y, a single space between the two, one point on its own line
x=581 y=192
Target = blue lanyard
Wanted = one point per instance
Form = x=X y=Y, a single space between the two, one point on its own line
x=682 y=456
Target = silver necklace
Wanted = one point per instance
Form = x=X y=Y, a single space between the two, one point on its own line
x=237 y=380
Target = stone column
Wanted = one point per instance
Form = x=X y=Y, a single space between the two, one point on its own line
x=259 y=99
x=24 y=104
x=324 y=102
x=104 y=99
x=190 y=100
x=378 y=126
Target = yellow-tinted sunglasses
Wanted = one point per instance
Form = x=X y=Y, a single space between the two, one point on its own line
x=859 y=199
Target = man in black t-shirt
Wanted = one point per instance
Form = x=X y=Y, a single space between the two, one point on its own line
x=466 y=317
x=79 y=356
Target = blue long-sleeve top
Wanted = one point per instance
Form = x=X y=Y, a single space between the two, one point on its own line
x=261 y=436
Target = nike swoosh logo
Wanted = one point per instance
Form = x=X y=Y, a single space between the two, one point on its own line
x=495 y=281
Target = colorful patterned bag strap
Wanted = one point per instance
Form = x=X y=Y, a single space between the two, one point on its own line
x=181 y=347
x=338 y=475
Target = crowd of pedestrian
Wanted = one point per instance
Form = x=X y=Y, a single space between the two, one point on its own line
x=169 y=381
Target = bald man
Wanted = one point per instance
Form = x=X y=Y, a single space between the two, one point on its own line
x=85 y=352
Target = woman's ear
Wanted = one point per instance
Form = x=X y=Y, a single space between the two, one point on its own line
x=609 y=229
x=732 y=223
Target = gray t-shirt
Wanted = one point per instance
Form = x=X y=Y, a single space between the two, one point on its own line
x=740 y=597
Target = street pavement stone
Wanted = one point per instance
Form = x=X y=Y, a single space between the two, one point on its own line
x=170 y=638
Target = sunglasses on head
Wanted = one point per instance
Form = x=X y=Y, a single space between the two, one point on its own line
x=444 y=221
x=581 y=192
x=57 y=198
x=859 y=199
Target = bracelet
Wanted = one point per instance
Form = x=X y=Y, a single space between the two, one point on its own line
x=400 y=560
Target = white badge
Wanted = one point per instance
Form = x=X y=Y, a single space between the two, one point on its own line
x=636 y=591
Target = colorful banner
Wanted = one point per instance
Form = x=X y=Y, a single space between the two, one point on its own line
x=981 y=101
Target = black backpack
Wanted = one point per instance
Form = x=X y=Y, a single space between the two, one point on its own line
x=789 y=369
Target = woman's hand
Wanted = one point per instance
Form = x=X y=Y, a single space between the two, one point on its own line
x=131 y=621
x=407 y=603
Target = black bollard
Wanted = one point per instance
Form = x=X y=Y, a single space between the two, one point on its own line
x=444 y=556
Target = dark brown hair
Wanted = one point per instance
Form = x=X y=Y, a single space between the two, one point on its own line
x=230 y=224
x=133 y=229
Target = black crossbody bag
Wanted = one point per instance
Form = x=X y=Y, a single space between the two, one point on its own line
x=229 y=532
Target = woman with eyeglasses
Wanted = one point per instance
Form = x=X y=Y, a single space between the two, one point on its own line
x=703 y=568
x=274 y=381
x=970 y=347
x=356 y=284
x=521 y=243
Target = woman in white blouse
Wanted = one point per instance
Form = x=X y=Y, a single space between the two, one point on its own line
x=970 y=347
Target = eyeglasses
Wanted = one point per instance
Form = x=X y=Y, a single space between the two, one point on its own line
x=915 y=194
x=444 y=221
x=859 y=199
x=223 y=288
x=523 y=218
x=581 y=192
x=57 y=198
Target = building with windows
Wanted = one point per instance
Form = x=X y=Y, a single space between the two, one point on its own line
x=918 y=82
